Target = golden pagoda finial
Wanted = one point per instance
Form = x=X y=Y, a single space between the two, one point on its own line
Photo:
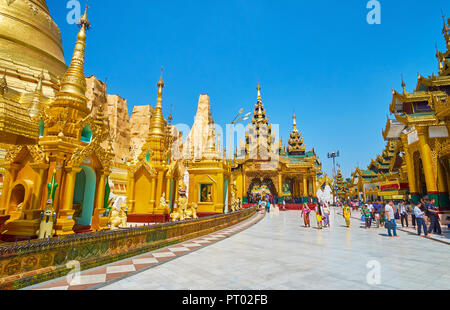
x=161 y=82
x=295 y=123
x=403 y=85
x=258 y=88
x=74 y=82
x=157 y=123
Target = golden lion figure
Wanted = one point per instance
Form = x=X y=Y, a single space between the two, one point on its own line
x=118 y=218
x=191 y=211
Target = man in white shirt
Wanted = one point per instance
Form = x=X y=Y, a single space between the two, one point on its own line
x=403 y=214
x=420 y=220
x=389 y=211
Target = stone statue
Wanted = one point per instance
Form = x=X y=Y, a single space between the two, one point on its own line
x=48 y=218
x=183 y=210
x=118 y=218
x=164 y=204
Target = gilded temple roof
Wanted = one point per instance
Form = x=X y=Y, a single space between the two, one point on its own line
x=295 y=143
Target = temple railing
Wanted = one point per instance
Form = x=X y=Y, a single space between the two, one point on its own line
x=30 y=262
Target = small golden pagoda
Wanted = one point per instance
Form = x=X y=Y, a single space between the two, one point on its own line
x=209 y=174
x=69 y=146
x=296 y=146
x=384 y=178
x=154 y=175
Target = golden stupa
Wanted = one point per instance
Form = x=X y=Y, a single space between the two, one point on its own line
x=30 y=43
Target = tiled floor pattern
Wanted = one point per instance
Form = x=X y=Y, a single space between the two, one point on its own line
x=100 y=276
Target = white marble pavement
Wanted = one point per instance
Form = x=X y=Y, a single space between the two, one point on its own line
x=279 y=253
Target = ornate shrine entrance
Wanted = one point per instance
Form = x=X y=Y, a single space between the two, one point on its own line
x=261 y=187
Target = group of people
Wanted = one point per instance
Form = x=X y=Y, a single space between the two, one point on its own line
x=322 y=213
x=387 y=214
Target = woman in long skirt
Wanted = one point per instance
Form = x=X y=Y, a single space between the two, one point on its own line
x=305 y=215
x=347 y=213
x=326 y=213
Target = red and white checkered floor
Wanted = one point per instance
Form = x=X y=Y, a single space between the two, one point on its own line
x=90 y=279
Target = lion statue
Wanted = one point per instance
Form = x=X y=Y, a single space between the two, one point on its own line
x=118 y=218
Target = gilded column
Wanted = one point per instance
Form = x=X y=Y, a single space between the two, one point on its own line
x=442 y=185
x=131 y=198
x=305 y=187
x=99 y=208
x=65 y=221
x=425 y=154
x=153 y=195
x=160 y=186
x=280 y=186
x=414 y=192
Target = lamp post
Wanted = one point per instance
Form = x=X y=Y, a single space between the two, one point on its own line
x=334 y=155
x=239 y=118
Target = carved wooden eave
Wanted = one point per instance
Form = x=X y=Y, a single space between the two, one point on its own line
x=423 y=120
x=433 y=81
x=402 y=119
x=441 y=107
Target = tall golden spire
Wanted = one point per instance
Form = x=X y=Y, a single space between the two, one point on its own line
x=258 y=88
x=74 y=81
x=295 y=123
x=157 y=123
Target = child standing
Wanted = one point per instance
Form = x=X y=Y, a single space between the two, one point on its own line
x=368 y=216
x=319 y=218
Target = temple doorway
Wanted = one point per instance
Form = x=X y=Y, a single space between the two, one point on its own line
x=260 y=188
x=84 y=196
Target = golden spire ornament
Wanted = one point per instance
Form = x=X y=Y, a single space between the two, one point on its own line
x=74 y=81
x=157 y=123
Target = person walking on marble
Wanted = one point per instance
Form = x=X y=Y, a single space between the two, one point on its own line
x=420 y=219
x=326 y=214
x=403 y=214
x=319 y=218
x=367 y=216
x=347 y=212
x=390 y=223
x=435 y=226
x=305 y=214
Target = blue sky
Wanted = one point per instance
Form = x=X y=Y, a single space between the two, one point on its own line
x=320 y=58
